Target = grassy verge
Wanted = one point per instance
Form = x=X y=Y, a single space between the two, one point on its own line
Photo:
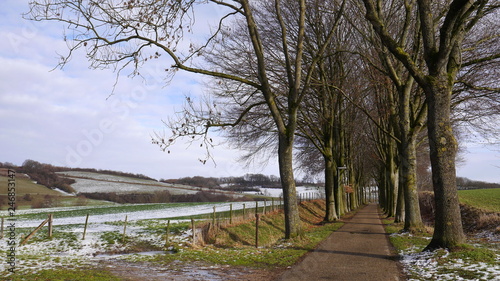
x=467 y=262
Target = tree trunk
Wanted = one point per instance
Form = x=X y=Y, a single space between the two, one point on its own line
x=448 y=231
x=337 y=190
x=400 y=206
x=392 y=184
x=285 y=156
x=408 y=159
x=331 y=213
x=413 y=219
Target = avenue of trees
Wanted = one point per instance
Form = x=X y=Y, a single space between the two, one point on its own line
x=361 y=91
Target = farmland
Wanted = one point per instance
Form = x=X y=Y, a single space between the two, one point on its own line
x=95 y=182
x=486 y=199
x=105 y=242
x=107 y=236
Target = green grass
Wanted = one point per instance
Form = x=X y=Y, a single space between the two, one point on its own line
x=24 y=186
x=275 y=255
x=473 y=254
x=38 y=192
x=485 y=199
x=405 y=242
x=235 y=244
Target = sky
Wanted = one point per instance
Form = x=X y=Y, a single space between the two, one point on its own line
x=77 y=117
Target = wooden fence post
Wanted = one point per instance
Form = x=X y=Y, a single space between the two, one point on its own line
x=125 y=229
x=85 y=227
x=1 y=229
x=194 y=230
x=230 y=213
x=257 y=219
x=166 y=236
x=51 y=218
x=213 y=217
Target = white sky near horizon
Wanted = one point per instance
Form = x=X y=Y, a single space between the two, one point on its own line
x=64 y=117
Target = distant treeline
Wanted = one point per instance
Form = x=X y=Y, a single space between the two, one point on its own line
x=465 y=183
x=248 y=182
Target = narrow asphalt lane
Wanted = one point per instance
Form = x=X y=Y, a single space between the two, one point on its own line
x=359 y=250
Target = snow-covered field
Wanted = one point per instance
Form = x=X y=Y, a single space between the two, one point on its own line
x=88 y=182
x=104 y=177
x=117 y=213
x=67 y=247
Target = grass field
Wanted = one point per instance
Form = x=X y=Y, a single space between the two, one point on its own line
x=486 y=199
x=25 y=186
x=39 y=193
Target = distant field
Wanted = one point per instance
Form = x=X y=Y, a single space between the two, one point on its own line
x=486 y=199
x=89 y=182
x=38 y=192
x=24 y=186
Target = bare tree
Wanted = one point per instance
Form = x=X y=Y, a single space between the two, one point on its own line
x=443 y=26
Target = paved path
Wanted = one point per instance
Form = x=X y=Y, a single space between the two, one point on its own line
x=359 y=250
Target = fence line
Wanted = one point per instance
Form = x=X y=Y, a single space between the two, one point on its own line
x=208 y=224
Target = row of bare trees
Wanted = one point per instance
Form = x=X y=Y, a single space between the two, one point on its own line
x=345 y=87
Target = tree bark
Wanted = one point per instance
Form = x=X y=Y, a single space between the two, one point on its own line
x=448 y=231
x=285 y=156
x=392 y=182
x=400 y=206
x=413 y=219
x=331 y=213
x=408 y=160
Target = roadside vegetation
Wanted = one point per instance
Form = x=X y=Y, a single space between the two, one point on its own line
x=479 y=259
x=235 y=244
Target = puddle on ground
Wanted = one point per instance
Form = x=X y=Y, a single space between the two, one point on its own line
x=148 y=253
x=180 y=272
